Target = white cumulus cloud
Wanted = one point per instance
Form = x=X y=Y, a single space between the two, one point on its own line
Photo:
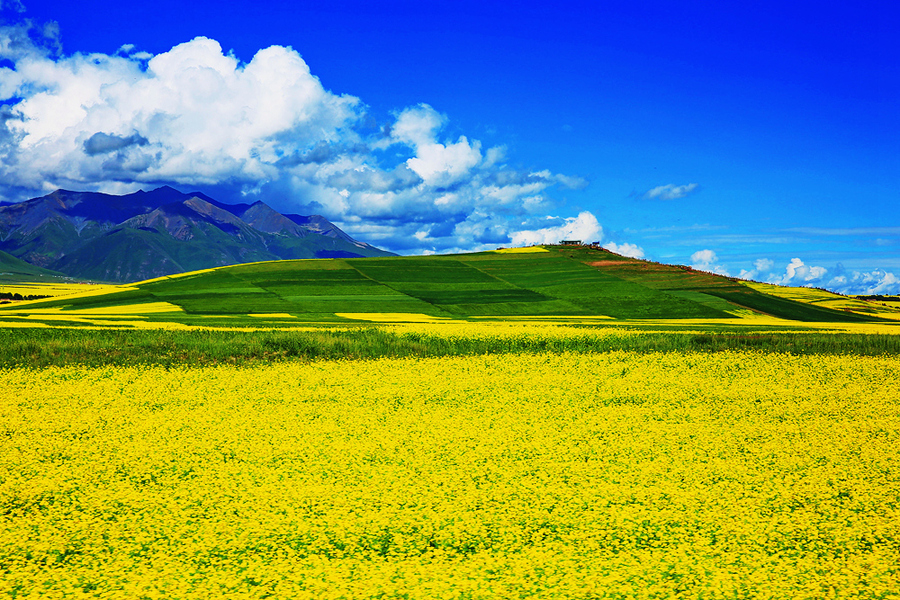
x=706 y=260
x=798 y=273
x=763 y=264
x=436 y=163
x=760 y=266
x=625 y=249
x=204 y=116
x=878 y=282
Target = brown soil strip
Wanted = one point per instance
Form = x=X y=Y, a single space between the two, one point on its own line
x=606 y=263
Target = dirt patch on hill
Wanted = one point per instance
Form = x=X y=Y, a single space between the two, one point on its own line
x=606 y=263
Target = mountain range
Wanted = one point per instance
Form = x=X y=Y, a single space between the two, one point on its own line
x=89 y=235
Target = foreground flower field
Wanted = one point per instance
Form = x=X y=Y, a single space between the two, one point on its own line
x=571 y=475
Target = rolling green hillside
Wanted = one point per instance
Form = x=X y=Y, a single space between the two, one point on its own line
x=550 y=281
x=15 y=269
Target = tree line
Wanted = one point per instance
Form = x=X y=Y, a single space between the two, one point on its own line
x=17 y=296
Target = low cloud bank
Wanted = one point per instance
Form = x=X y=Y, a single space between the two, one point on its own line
x=836 y=279
x=799 y=274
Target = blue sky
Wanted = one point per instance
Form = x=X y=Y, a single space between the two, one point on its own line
x=758 y=140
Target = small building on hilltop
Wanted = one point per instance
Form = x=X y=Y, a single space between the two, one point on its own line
x=570 y=242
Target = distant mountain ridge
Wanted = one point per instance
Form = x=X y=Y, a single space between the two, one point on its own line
x=143 y=235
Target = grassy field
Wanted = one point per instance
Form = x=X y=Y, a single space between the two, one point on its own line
x=15 y=270
x=553 y=423
x=27 y=347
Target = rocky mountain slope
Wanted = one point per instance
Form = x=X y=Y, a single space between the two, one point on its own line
x=143 y=235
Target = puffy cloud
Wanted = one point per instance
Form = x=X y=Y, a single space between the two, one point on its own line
x=838 y=279
x=706 y=260
x=703 y=257
x=418 y=125
x=436 y=163
x=267 y=129
x=191 y=115
x=763 y=265
x=584 y=227
x=631 y=250
x=878 y=282
x=797 y=273
x=760 y=265
x=670 y=191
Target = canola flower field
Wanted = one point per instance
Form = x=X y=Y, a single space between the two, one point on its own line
x=619 y=474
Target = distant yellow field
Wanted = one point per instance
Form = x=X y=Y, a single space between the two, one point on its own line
x=394 y=317
x=148 y=308
x=56 y=289
x=507 y=329
x=548 y=318
x=559 y=329
x=525 y=250
x=134 y=316
x=180 y=275
x=774 y=323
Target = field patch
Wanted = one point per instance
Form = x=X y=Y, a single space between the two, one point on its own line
x=525 y=250
x=394 y=318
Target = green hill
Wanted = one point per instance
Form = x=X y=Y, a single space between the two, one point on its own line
x=548 y=281
x=15 y=269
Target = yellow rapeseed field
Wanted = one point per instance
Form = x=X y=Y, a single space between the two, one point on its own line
x=523 y=250
x=55 y=290
x=77 y=290
x=617 y=475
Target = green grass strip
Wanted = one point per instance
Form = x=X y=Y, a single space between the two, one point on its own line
x=48 y=347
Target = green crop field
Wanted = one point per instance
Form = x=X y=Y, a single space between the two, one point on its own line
x=557 y=282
